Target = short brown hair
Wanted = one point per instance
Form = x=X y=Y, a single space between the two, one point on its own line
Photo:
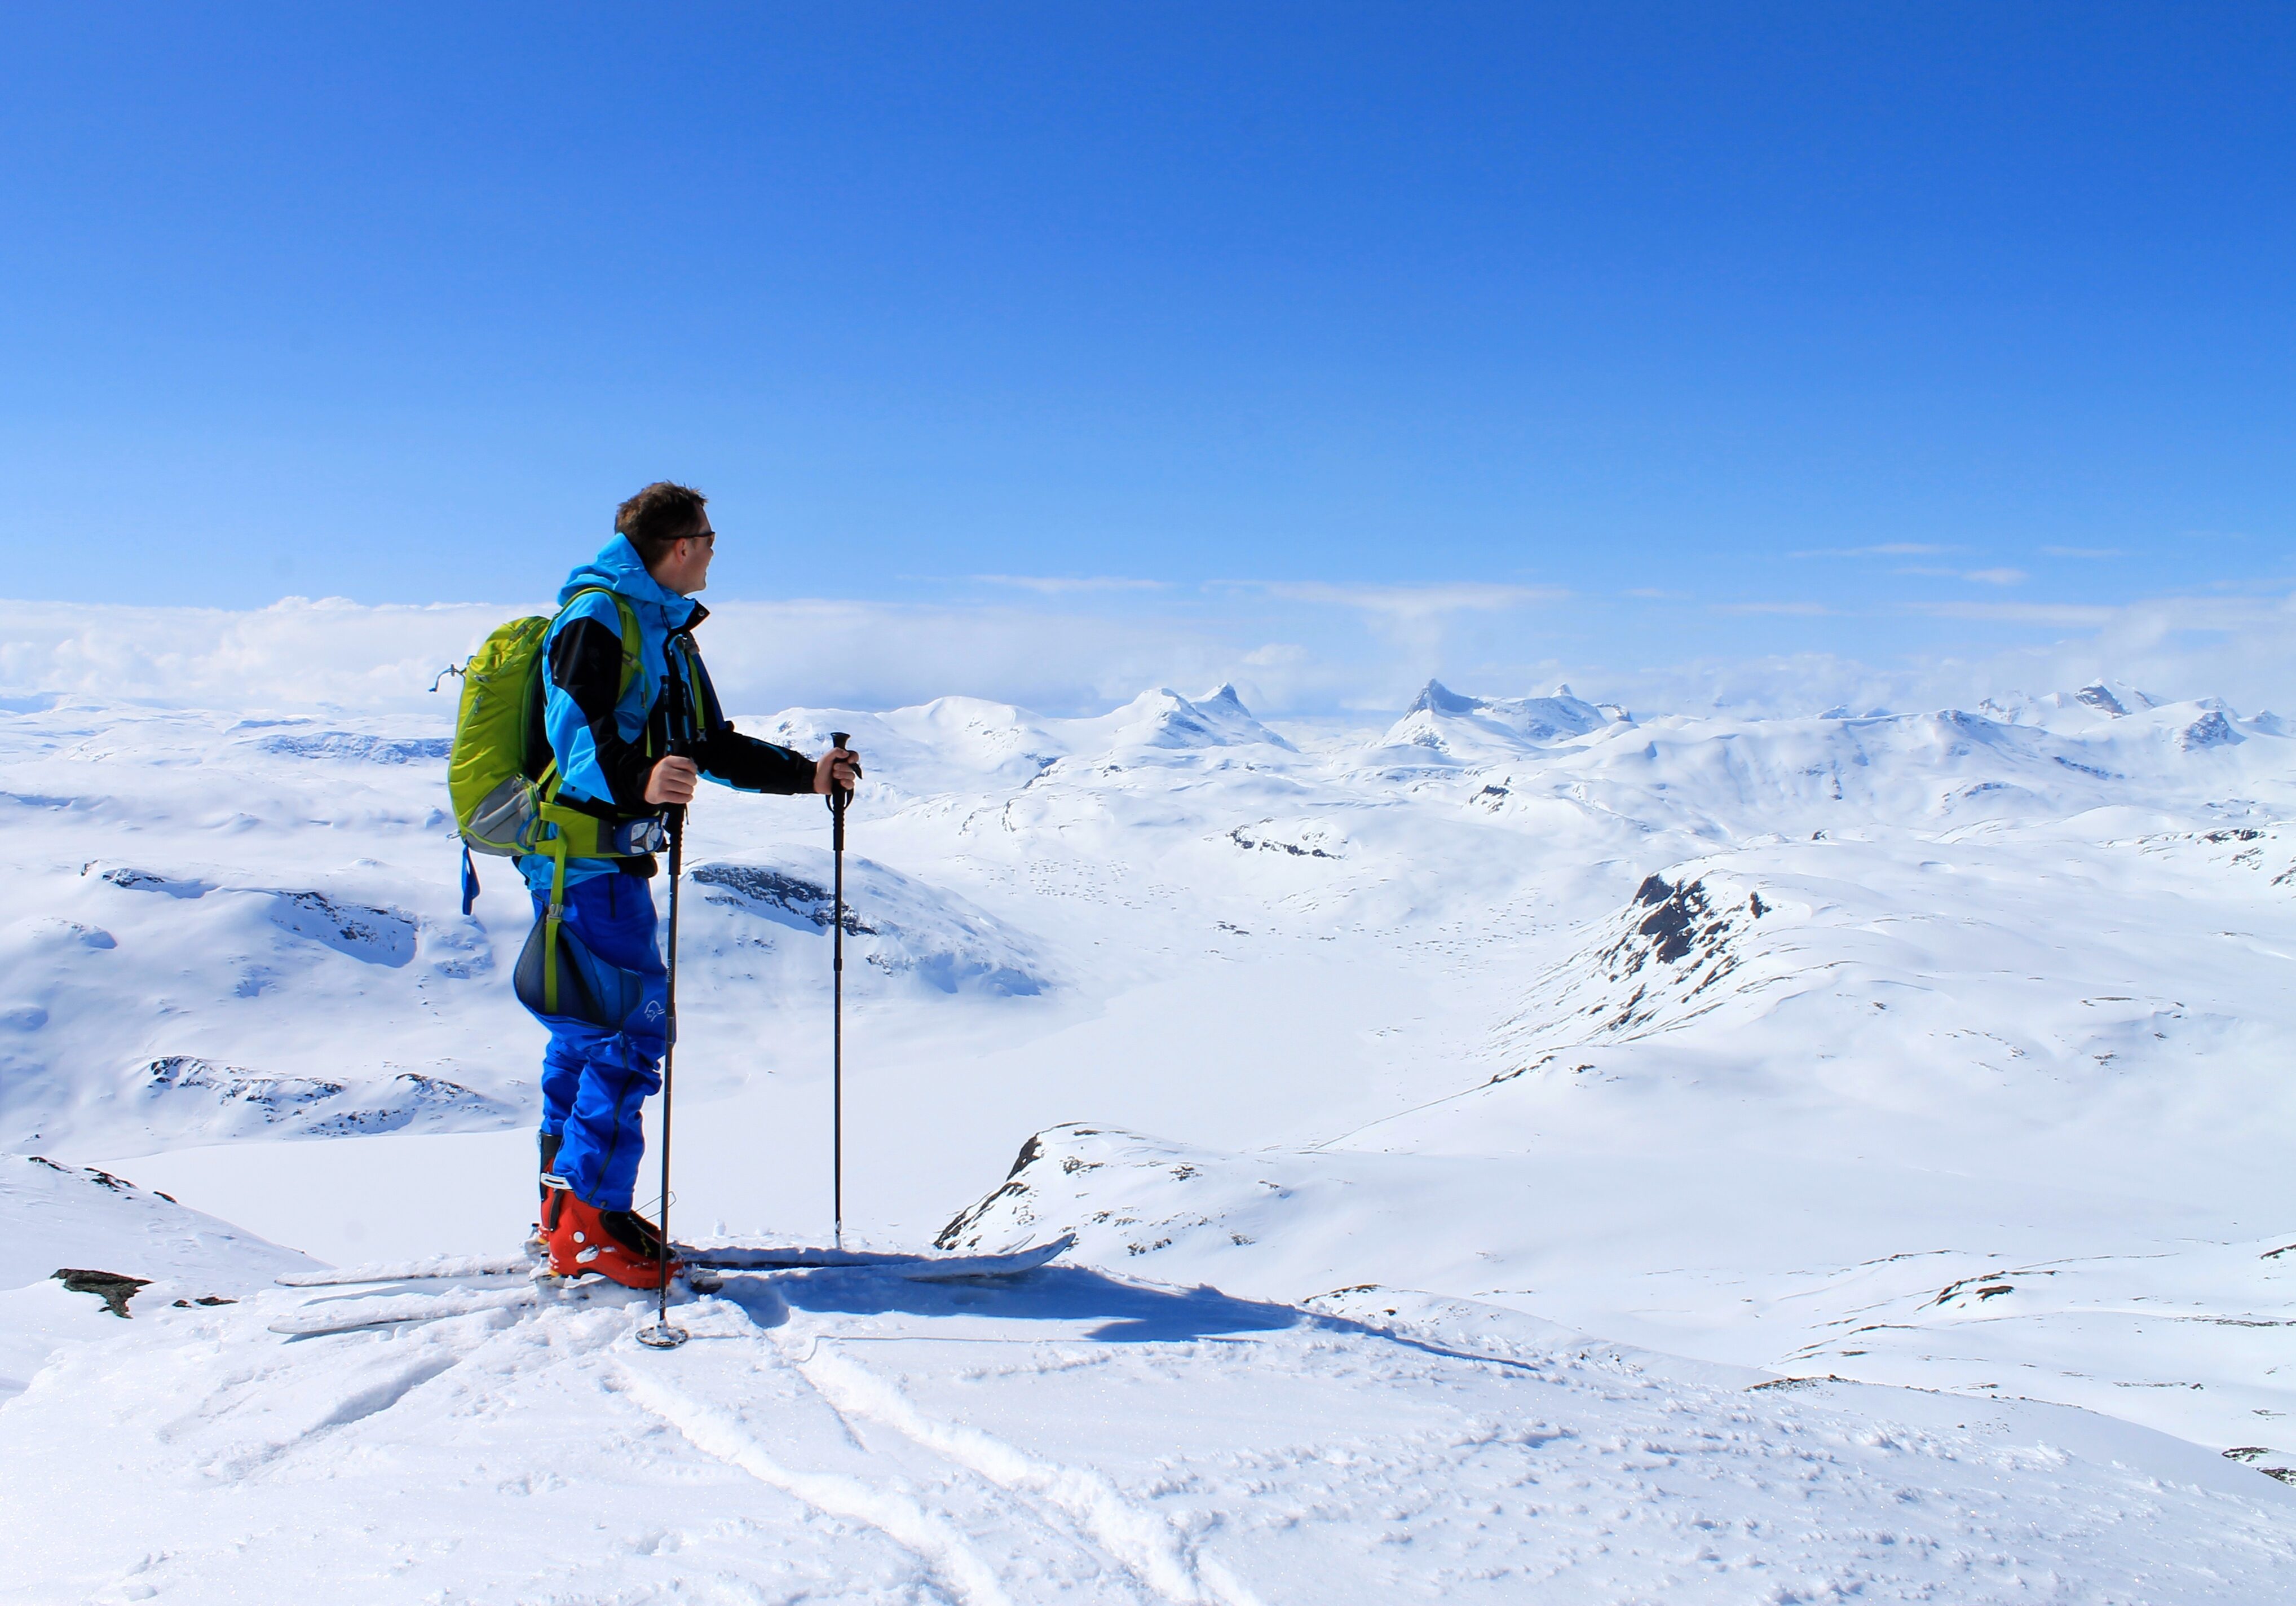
x=663 y=513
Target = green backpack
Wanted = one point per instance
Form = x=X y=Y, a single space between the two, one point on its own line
x=500 y=773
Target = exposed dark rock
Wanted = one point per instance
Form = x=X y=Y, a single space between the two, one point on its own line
x=1272 y=846
x=377 y=936
x=1029 y=1152
x=115 y=1289
x=149 y=880
x=2212 y=729
x=1675 y=945
x=278 y=1097
x=411 y=1096
x=951 y=1235
x=777 y=890
x=1675 y=921
x=301 y=1103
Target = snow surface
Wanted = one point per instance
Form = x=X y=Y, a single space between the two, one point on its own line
x=1465 y=1127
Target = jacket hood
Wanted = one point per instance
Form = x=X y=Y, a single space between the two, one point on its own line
x=619 y=569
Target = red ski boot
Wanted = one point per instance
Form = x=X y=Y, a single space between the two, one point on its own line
x=554 y=1189
x=554 y=1196
x=612 y=1243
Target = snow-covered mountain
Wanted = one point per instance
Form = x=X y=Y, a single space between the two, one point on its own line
x=1465 y=729
x=1373 y=1072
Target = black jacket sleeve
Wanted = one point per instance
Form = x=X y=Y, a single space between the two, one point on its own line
x=743 y=762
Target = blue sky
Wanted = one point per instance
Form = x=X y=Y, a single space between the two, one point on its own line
x=1883 y=331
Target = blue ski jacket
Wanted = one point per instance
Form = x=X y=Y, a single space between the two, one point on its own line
x=606 y=741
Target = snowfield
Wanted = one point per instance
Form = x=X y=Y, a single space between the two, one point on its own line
x=1536 y=1152
x=836 y=1436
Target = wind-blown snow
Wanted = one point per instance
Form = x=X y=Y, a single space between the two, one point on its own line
x=1941 y=1051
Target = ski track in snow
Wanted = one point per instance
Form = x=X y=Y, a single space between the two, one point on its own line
x=1942 y=1052
x=718 y=1433
x=1141 y=1543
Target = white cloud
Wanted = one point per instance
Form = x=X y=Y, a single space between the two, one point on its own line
x=2242 y=650
x=1286 y=654
x=295 y=652
x=1078 y=656
x=299 y=654
x=1412 y=628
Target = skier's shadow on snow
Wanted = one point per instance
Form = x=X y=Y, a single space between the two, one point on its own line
x=1126 y=1313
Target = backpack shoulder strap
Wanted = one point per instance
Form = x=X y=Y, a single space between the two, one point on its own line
x=568 y=823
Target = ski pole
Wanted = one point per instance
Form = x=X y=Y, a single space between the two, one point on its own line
x=838 y=799
x=661 y=1335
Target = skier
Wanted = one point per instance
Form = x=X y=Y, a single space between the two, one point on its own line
x=630 y=742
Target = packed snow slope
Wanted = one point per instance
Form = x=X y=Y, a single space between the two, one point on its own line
x=1941 y=1051
x=839 y=1435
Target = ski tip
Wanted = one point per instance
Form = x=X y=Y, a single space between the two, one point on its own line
x=961 y=1268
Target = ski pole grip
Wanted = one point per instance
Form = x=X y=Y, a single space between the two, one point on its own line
x=838 y=739
x=838 y=796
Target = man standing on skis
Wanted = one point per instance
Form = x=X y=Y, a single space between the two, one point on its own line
x=633 y=724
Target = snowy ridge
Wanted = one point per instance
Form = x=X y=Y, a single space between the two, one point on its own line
x=1532 y=1094
x=77 y=1215
x=1674 y=953
x=1471 y=728
x=1163 y=718
x=60 y=1219
x=921 y=934
x=954 y=744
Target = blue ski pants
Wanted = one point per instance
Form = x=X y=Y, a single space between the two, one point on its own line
x=594 y=1081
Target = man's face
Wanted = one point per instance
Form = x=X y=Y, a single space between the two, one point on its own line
x=685 y=568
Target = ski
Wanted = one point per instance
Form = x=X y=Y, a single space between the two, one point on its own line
x=909 y=1268
x=353 y=1311
x=350 y=1316
x=703 y=1269
x=914 y=1268
x=413 y=1271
